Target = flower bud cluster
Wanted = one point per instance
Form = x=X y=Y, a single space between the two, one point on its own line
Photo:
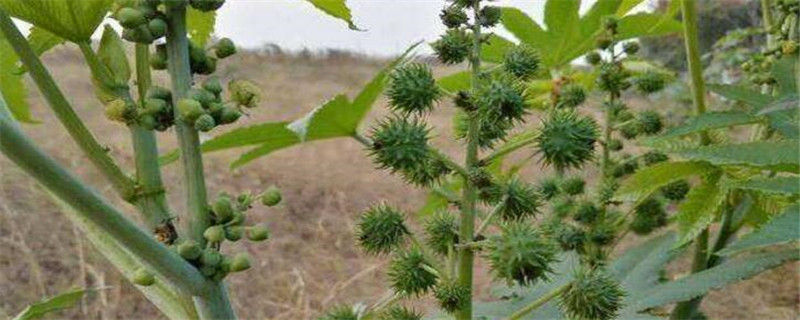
x=204 y=107
x=784 y=31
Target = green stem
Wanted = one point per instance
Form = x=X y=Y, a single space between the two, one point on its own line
x=538 y=303
x=214 y=304
x=767 y=21
x=488 y=220
x=96 y=153
x=466 y=256
x=17 y=147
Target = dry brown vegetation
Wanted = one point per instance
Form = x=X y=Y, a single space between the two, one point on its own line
x=311 y=262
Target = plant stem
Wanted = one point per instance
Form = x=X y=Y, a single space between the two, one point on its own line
x=466 y=256
x=17 y=147
x=214 y=303
x=538 y=302
x=488 y=220
x=767 y=21
x=188 y=139
x=96 y=153
x=686 y=309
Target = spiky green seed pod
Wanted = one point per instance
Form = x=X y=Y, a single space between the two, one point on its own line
x=204 y=123
x=649 y=216
x=489 y=16
x=229 y=115
x=234 y=233
x=452 y=296
x=240 y=262
x=614 y=145
x=631 y=48
x=488 y=134
x=629 y=130
x=214 y=234
x=607 y=189
x=627 y=166
x=463 y=100
x=649 y=82
x=592 y=295
x=271 y=197
x=676 y=191
x=441 y=231
x=612 y=77
x=521 y=254
x=400 y=313
x=121 y=111
x=586 y=213
x=340 y=313
x=593 y=58
x=563 y=207
x=521 y=199
x=143 y=277
x=381 y=229
x=224 y=48
x=501 y=100
x=212 y=84
x=245 y=93
x=571 y=96
x=430 y=171
x=130 y=18
x=650 y=122
x=573 y=186
x=189 y=250
x=570 y=237
x=522 y=61
x=190 y=109
x=408 y=274
x=567 y=139
x=549 y=188
x=453 y=47
x=258 y=233
x=223 y=209
x=602 y=234
x=453 y=17
x=206 y=5
x=399 y=144
x=157 y=27
x=412 y=89
x=211 y=257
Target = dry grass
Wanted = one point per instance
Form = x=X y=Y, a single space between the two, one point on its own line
x=311 y=262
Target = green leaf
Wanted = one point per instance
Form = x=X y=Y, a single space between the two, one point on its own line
x=650 y=179
x=700 y=283
x=699 y=209
x=59 y=302
x=112 y=54
x=776 y=185
x=12 y=86
x=456 y=82
x=337 y=9
x=42 y=40
x=72 y=20
x=784 y=72
x=525 y=29
x=561 y=18
x=779 y=230
x=744 y=94
x=495 y=48
x=273 y=133
x=647 y=25
x=627 y=5
x=710 y=120
x=639 y=268
x=774 y=155
x=200 y=25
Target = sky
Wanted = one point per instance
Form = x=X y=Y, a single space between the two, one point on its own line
x=390 y=26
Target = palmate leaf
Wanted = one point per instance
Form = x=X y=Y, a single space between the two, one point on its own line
x=337 y=9
x=59 y=302
x=200 y=25
x=12 y=87
x=112 y=54
x=710 y=120
x=639 y=268
x=42 y=40
x=789 y=185
x=650 y=179
x=72 y=20
x=338 y=117
x=773 y=155
x=699 y=209
x=779 y=230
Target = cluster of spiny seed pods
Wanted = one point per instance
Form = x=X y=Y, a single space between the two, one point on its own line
x=785 y=33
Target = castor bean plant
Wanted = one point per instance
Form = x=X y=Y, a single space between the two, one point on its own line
x=180 y=268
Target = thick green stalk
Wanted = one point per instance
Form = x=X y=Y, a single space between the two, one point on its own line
x=686 y=309
x=188 y=139
x=96 y=153
x=767 y=21
x=538 y=303
x=466 y=256
x=22 y=151
x=214 y=304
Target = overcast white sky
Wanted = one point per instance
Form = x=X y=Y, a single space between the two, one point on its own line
x=391 y=25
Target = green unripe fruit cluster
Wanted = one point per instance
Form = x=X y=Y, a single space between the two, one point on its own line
x=549 y=188
x=501 y=101
x=613 y=77
x=244 y=93
x=409 y=275
x=453 y=47
x=200 y=62
x=412 y=89
x=521 y=199
x=141 y=21
x=563 y=206
x=224 y=48
x=650 y=122
x=586 y=213
x=650 y=82
x=204 y=109
x=592 y=295
x=521 y=254
x=649 y=216
x=567 y=139
x=157 y=113
x=676 y=191
x=573 y=186
x=381 y=229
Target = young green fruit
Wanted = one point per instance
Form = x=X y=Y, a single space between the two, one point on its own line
x=441 y=232
x=271 y=197
x=121 y=111
x=225 y=48
x=156 y=92
x=190 y=250
x=211 y=257
x=453 y=17
x=258 y=233
x=234 y=233
x=157 y=27
x=204 y=123
x=213 y=85
x=381 y=229
x=408 y=275
x=451 y=296
x=453 y=47
x=143 y=277
x=522 y=61
x=412 y=89
x=223 y=209
x=130 y=18
x=245 y=93
x=240 y=262
x=521 y=254
x=229 y=114
x=214 y=234
x=190 y=109
x=593 y=294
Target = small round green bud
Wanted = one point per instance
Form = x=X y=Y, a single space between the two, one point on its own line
x=204 y=123
x=631 y=48
x=143 y=277
x=211 y=257
x=121 y=111
x=453 y=47
x=240 y=262
x=212 y=84
x=147 y=121
x=570 y=237
x=676 y=191
x=190 y=109
x=258 y=233
x=521 y=254
x=271 y=197
x=489 y=16
x=245 y=93
x=650 y=122
x=225 y=48
x=208 y=271
x=441 y=232
x=206 y=98
x=223 y=209
x=586 y=213
x=563 y=207
x=156 y=92
x=130 y=18
x=521 y=199
x=573 y=186
x=629 y=131
x=522 y=61
x=239 y=219
x=214 y=234
x=408 y=274
x=189 y=250
x=412 y=89
x=602 y=234
x=157 y=27
x=592 y=295
x=571 y=96
x=234 y=233
x=381 y=229
x=155 y=106
x=452 y=296
x=649 y=216
x=567 y=139
x=206 y=5
x=549 y=188
x=649 y=82
x=453 y=17
x=229 y=115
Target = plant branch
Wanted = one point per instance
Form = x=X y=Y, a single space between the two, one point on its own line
x=488 y=220
x=538 y=303
x=96 y=153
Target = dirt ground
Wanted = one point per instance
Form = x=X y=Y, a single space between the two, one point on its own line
x=311 y=262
